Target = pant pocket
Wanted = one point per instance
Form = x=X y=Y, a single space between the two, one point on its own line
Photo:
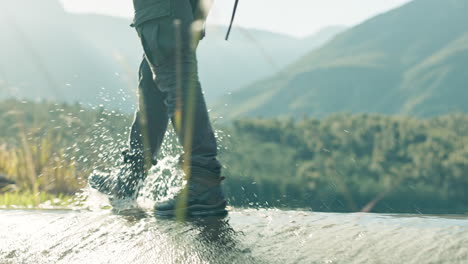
x=158 y=41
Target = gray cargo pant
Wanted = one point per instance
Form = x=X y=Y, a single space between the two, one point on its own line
x=169 y=89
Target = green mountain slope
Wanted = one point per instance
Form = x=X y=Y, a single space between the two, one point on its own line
x=411 y=60
x=250 y=55
x=94 y=59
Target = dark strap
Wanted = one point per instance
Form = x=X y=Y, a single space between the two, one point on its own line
x=232 y=19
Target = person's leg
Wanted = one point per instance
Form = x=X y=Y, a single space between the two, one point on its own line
x=196 y=133
x=146 y=137
x=170 y=50
x=151 y=119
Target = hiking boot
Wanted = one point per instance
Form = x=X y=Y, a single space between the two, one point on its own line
x=202 y=196
x=126 y=183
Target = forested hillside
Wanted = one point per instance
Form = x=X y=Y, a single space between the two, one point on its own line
x=341 y=163
x=412 y=60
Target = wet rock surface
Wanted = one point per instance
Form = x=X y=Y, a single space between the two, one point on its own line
x=245 y=236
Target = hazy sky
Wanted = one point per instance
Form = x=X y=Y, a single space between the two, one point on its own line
x=294 y=17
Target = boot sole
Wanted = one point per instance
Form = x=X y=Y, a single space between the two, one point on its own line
x=196 y=211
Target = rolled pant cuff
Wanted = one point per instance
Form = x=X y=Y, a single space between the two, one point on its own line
x=199 y=173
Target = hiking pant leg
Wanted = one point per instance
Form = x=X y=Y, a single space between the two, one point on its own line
x=151 y=119
x=169 y=47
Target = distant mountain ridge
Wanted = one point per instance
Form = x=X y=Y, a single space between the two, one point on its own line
x=47 y=53
x=412 y=60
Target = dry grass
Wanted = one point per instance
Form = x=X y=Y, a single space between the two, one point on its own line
x=37 y=167
x=39 y=200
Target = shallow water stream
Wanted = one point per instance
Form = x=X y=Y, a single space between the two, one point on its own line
x=245 y=236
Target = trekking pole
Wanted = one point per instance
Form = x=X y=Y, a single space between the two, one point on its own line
x=232 y=19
